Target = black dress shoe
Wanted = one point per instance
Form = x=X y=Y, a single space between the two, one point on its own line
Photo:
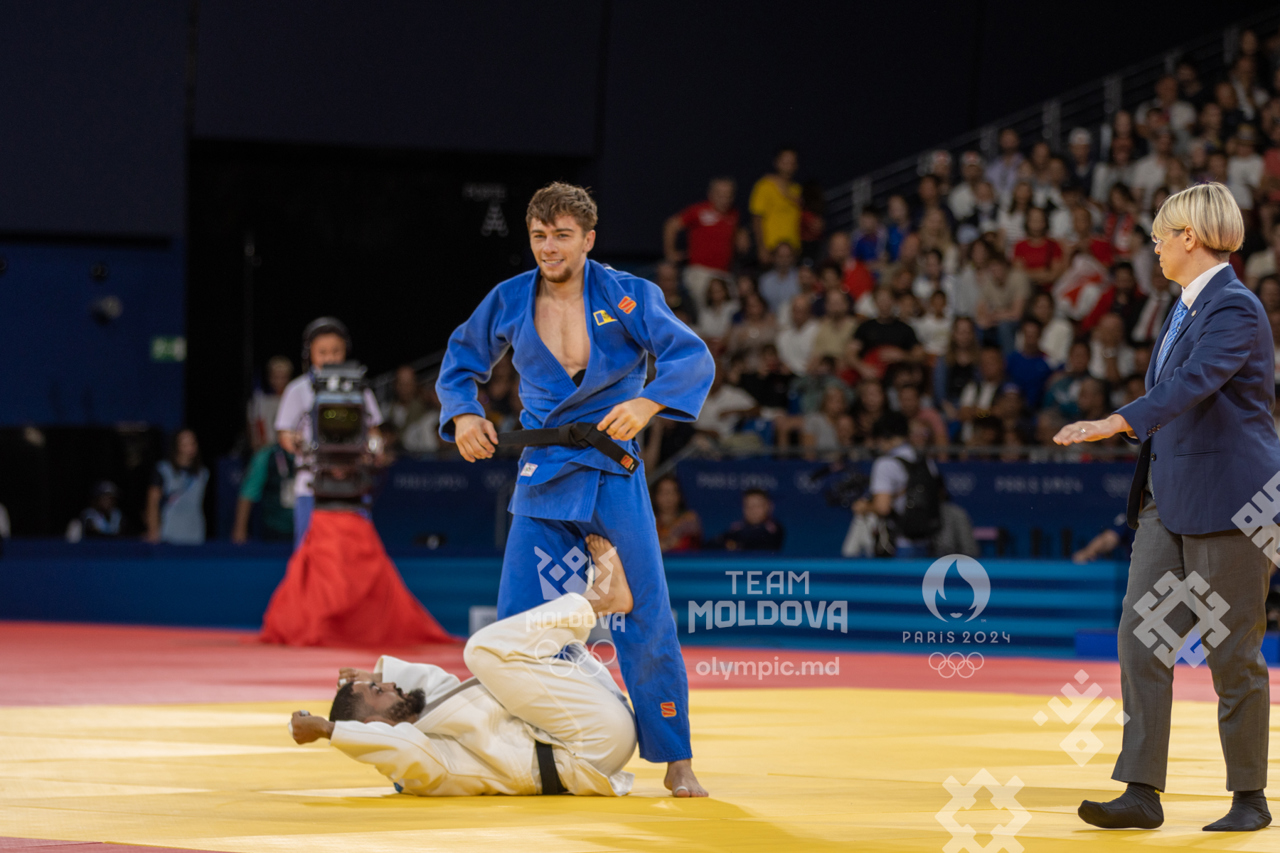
x=1137 y=808
x=1249 y=813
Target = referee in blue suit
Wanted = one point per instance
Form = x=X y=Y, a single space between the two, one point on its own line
x=1208 y=445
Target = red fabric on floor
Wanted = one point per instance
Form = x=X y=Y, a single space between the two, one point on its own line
x=341 y=589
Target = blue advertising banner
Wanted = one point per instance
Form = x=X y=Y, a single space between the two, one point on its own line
x=1017 y=497
x=461 y=507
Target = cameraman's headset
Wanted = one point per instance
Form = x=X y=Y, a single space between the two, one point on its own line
x=322 y=326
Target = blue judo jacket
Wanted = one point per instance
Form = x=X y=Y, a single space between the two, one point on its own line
x=627 y=320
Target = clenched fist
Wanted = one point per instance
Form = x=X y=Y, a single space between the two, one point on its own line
x=476 y=437
x=306 y=728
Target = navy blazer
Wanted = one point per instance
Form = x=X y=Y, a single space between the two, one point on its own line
x=1206 y=428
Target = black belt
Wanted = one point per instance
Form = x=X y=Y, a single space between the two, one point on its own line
x=551 y=783
x=571 y=435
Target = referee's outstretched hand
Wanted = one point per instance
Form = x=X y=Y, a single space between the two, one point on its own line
x=1092 y=430
x=477 y=438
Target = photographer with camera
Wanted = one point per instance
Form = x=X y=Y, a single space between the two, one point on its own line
x=325 y=345
x=340 y=587
x=904 y=490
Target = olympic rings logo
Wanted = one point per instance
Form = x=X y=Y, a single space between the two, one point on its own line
x=956 y=663
x=577 y=657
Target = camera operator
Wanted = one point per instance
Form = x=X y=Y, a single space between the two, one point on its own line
x=904 y=488
x=325 y=342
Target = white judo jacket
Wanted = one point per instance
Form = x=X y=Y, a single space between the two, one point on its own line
x=466 y=743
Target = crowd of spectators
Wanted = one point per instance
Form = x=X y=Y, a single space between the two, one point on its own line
x=994 y=302
x=991 y=305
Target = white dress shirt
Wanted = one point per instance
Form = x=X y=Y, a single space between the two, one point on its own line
x=1189 y=294
x=1192 y=290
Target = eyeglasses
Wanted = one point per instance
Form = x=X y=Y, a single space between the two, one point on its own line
x=1173 y=235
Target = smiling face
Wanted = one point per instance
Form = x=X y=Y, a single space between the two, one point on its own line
x=328 y=348
x=560 y=247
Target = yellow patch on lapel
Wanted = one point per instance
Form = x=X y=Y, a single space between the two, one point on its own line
x=603 y=317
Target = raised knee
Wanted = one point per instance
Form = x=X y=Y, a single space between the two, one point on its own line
x=476 y=655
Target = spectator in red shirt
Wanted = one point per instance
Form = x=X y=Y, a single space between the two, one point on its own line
x=1038 y=255
x=1087 y=240
x=857 y=279
x=1120 y=226
x=709 y=228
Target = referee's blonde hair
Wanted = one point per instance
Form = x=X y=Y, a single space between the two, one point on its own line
x=1209 y=210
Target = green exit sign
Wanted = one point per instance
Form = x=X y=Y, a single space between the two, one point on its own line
x=169 y=348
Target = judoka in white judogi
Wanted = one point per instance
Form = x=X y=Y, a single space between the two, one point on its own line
x=478 y=736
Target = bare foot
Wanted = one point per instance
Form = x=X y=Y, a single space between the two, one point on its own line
x=681 y=782
x=610 y=593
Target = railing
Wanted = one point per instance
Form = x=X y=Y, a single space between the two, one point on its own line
x=1090 y=105
x=1078 y=453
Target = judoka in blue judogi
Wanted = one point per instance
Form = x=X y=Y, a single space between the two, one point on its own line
x=564 y=493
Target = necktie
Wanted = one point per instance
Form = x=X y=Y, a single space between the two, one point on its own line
x=1179 y=311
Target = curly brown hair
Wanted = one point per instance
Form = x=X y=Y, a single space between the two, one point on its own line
x=559 y=199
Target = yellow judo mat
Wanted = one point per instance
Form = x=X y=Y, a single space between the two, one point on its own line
x=797 y=769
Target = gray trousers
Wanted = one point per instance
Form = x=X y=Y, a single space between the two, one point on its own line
x=1238 y=571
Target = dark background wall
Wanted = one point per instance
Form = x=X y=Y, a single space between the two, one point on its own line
x=483 y=75
x=92 y=134
x=342 y=134
x=399 y=244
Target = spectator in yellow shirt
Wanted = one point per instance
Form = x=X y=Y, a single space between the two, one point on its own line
x=775 y=206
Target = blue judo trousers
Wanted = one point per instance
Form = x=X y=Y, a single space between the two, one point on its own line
x=563 y=494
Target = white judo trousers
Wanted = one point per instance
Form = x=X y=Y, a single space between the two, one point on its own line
x=478 y=736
